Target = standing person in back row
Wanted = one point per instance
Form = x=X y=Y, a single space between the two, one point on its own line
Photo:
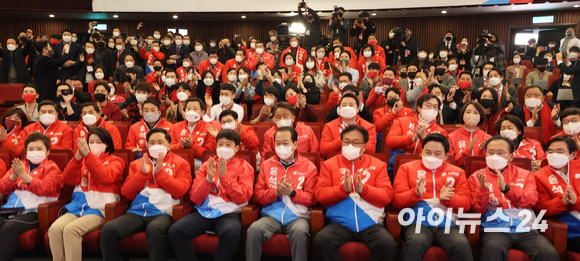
x=312 y=24
x=14 y=68
x=569 y=41
x=46 y=70
x=339 y=25
x=361 y=30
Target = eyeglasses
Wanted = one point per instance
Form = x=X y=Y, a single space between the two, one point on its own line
x=354 y=143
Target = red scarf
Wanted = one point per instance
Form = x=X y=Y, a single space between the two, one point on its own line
x=546 y=115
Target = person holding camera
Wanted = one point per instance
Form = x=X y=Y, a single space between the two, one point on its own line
x=361 y=29
x=409 y=46
x=338 y=25
x=312 y=26
x=489 y=49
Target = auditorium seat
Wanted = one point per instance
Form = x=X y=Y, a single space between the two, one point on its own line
x=385 y=148
x=261 y=128
x=556 y=130
x=534 y=133
x=449 y=128
x=317 y=128
x=526 y=71
x=321 y=112
x=528 y=64
x=556 y=71
x=7 y=155
x=123 y=127
x=323 y=99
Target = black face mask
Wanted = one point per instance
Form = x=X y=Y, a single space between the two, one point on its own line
x=403 y=75
x=412 y=75
x=486 y=103
x=101 y=44
x=448 y=38
x=309 y=85
x=541 y=69
x=440 y=71
x=392 y=102
x=100 y=97
x=157 y=68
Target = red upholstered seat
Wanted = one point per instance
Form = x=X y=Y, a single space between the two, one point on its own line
x=261 y=128
x=205 y=244
x=29 y=240
x=572 y=256
x=321 y=112
x=435 y=253
x=517 y=255
x=355 y=251
x=278 y=245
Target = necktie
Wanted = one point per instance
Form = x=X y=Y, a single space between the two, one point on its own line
x=178 y=47
x=412 y=85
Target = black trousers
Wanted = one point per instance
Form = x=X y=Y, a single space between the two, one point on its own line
x=573 y=244
x=417 y=244
x=10 y=229
x=329 y=240
x=155 y=227
x=495 y=246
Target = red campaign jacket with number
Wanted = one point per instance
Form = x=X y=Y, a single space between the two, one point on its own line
x=202 y=140
x=151 y=56
x=530 y=149
x=406 y=192
x=137 y=137
x=294 y=72
x=249 y=138
x=60 y=134
x=231 y=63
x=564 y=134
x=460 y=140
x=384 y=116
x=45 y=186
x=331 y=142
x=206 y=65
x=253 y=61
x=375 y=99
x=182 y=74
x=401 y=135
x=299 y=56
x=81 y=131
x=12 y=140
x=307 y=141
x=362 y=67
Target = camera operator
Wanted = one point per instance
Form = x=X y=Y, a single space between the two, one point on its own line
x=362 y=28
x=338 y=25
x=488 y=49
x=312 y=26
x=409 y=46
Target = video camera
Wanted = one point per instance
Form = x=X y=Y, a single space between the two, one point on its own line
x=360 y=20
x=302 y=4
x=336 y=15
x=398 y=35
x=483 y=37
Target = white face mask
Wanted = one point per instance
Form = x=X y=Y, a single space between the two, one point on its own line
x=551 y=45
x=431 y=56
x=232 y=78
x=198 y=48
x=11 y=47
x=74 y=39
x=156 y=149
x=279 y=81
x=495 y=81
x=485 y=73
x=112 y=45
x=212 y=45
x=549 y=59
x=178 y=42
x=337 y=55
x=320 y=56
x=129 y=64
x=97 y=148
x=566 y=77
x=36 y=157
x=229 y=126
x=422 y=55
x=169 y=82
x=573 y=55
x=166 y=42
x=510 y=134
x=192 y=116
x=155 y=48
x=367 y=54
x=141 y=97
x=119 y=47
x=243 y=77
x=47 y=119
x=213 y=61
x=225 y=101
x=342 y=85
x=472 y=119
x=350 y=152
x=452 y=67
x=289 y=62
x=496 y=162
x=531 y=45
x=149 y=42
x=90 y=50
x=186 y=42
x=442 y=54
x=190 y=76
x=431 y=162
x=557 y=160
x=429 y=115
x=151 y=117
x=208 y=82
x=269 y=101
x=464 y=43
x=294 y=44
x=517 y=60
x=67 y=39
x=253 y=45
x=89 y=119
x=186 y=64
x=272 y=38
x=225 y=153
x=116 y=34
x=182 y=96
x=310 y=65
x=284 y=152
x=99 y=76
x=157 y=36
x=532 y=102
x=572 y=128
x=239 y=59
x=260 y=50
x=133 y=42
x=284 y=123
x=347 y=112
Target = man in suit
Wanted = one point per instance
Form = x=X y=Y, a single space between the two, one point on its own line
x=175 y=53
x=444 y=80
x=121 y=72
x=536 y=112
x=75 y=50
x=14 y=68
x=449 y=42
x=105 y=57
x=449 y=110
x=507 y=95
x=46 y=69
x=570 y=69
x=121 y=52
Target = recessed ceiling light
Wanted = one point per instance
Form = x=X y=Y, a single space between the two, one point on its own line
x=443 y=12
x=115 y=16
x=373 y=14
x=243 y=17
x=51 y=16
x=175 y=17
x=577 y=6
x=292 y=13
x=514 y=7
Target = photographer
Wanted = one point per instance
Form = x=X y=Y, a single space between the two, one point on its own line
x=409 y=46
x=489 y=49
x=362 y=28
x=338 y=25
x=312 y=26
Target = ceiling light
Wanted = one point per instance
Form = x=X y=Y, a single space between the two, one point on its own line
x=373 y=14
x=292 y=13
x=514 y=7
x=51 y=16
x=243 y=17
x=577 y=6
x=443 y=12
x=115 y=16
x=175 y=17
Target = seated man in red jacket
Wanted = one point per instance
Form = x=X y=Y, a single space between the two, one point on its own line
x=376 y=94
x=151 y=119
x=364 y=113
x=91 y=117
x=260 y=56
x=229 y=121
x=156 y=183
x=501 y=192
x=446 y=189
x=156 y=75
x=558 y=193
x=394 y=109
x=287 y=198
x=222 y=186
x=355 y=189
x=348 y=110
x=570 y=122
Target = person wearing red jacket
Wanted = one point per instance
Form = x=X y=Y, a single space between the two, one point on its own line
x=556 y=188
x=330 y=141
x=229 y=121
x=375 y=97
x=469 y=140
x=355 y=189
x=26 y=185
x=433 y=184
x=286 y=199
x=193 y=133
x=97 y=176
x=336 y=41
x=60 y=134
x=212 y=64
x=344 y=79
x=222 y=186
x=284 y=117
x=570 y=123
x=136 y=139
x=293 y=70
x=152 y=56
x=368 y=58
x=394 y=109
x=511 y=127
x=156 y=183
x=379 y=51
x=501 y=192
x=99 y=76
x=235 y=63
x=91 y=118
x=13 y=122
x=260 y=56
x=157 y=75
x=298 y=53
x=182 y=71
x=109 y=111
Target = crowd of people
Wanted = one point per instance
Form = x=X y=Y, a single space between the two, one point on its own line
x=179 y=93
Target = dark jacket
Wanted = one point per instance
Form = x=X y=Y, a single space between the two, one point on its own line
x=120 y=75
x=442 y=44
x=63 y=115
x=46 y=74
x=356 y=32
x=18 y=57
x=225 y=54
x=215 y=92
x=172 y=50
x=573 y=70
x=105 y=57
x=121 y=59
x=412 y=45
x=312 y=33
x=73 y=54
